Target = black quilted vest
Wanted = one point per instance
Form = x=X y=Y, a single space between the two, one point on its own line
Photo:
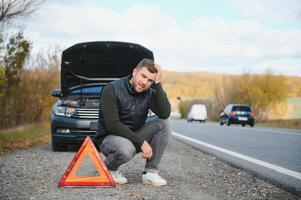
x=132 y=107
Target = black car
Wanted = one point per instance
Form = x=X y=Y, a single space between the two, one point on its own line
x=237 y=114
x=85 y=69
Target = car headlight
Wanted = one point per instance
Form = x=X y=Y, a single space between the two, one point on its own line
x=64 y=111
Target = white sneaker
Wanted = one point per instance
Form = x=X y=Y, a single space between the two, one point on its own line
x=153 y=179
x=118 y=178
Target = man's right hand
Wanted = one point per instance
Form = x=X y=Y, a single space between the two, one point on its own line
x=159 y=74
x=146 y=150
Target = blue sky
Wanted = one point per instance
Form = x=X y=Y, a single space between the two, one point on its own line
x=224 y=36
x=183 y=11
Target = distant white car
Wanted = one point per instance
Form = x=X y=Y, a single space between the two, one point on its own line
x=198 y=112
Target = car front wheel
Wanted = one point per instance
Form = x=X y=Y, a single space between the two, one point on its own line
x=54 y=146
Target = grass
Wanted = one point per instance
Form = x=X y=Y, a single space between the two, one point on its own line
x=24 y=137
x=291 y=120
x=281 y=123
x=294 y=108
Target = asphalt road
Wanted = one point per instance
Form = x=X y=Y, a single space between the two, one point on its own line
x=270 y=153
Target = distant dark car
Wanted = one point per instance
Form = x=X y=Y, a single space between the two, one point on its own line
x=237 y=114
x=85 y=69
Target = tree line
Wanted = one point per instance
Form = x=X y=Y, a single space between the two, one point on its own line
x=267 y=93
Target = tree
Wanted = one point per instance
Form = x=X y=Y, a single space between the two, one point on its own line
x=266 y=93
x=271 y=93
x=14 y=50
x=15 y=54
x=223 y=89
x=11 y=9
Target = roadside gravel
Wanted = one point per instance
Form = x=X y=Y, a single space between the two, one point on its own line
x=34 y=174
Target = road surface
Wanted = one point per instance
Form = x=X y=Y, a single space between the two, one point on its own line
x=270 y=153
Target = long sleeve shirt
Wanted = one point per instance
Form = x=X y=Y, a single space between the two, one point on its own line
x=159 y=104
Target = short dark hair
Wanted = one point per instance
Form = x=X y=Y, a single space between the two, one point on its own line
x=149 y=64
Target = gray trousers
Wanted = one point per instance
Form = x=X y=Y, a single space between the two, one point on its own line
x=119 y=150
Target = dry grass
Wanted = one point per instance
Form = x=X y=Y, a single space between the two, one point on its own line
x=282 y=123
x=17 y=129
x=24 y=137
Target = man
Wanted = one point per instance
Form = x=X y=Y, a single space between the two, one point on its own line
x=123 y=128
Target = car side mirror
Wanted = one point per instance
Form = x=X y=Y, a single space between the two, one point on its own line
x=56 y=93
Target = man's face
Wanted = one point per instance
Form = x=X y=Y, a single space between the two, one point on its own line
x=142 y=79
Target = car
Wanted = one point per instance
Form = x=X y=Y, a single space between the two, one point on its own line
x=237 y=114
x=198 y=112
x=85 y=69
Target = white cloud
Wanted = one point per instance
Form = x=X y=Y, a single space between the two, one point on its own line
x=203 y=44
x=270 y=9
x=279 y=66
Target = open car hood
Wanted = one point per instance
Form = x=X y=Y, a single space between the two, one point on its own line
x=97 y=63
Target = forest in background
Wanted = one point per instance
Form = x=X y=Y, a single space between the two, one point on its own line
x=269 y=94
x=26 y=98
x=201 y=84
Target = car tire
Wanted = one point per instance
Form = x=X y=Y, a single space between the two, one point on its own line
x=243 y=125
x=54 y=146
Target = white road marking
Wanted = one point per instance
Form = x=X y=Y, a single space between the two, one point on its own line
x=282 y=170
x=277 y=131
x=267 y=130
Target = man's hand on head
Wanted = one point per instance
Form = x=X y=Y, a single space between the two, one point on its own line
x=158 y=78
x=146 y=150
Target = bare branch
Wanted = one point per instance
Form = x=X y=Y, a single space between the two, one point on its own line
x=11 y=9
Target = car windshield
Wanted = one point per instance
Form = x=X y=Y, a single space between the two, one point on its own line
x=94 y=90
x=242 y=108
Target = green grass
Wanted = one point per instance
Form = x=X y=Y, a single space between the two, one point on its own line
x=24 y=137
x=294 y=106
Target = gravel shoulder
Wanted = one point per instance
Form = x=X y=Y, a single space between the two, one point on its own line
x=34 y=174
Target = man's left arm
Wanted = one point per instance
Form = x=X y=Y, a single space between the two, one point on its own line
x=159 y=103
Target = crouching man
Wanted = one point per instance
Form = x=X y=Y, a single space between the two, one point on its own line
x=123 y=130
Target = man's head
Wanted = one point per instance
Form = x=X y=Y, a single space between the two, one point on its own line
x=144 y=75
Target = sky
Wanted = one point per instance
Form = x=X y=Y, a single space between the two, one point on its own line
x=222 y=36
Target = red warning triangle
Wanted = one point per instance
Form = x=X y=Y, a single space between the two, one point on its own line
x=71 y=179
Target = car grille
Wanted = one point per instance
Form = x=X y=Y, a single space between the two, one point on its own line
x=86 y=113
x=83 y=132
